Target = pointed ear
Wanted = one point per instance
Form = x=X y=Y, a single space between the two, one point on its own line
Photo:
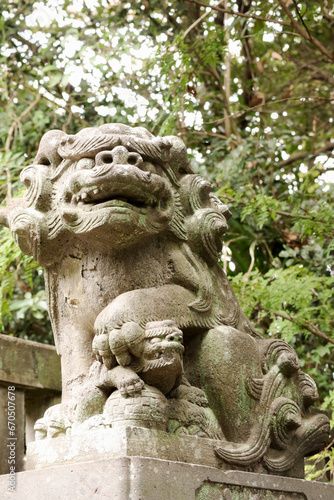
x=47 y=153
x=4 y=218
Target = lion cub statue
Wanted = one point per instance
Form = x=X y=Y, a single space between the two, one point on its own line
x=141 y=310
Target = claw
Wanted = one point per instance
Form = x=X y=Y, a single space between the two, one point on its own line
x=122 y=390
x=131 y=390
x=139 y=385
x=108 y=361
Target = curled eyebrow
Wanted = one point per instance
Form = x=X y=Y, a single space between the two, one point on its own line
x=75 y=148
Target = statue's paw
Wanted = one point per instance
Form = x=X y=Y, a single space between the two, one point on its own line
x=53 y=424
x=132 y=388
x=102 y=350
x=98 y=374
x=128 y=382
x=192 y=394
x=41 y=429
x=92 y=423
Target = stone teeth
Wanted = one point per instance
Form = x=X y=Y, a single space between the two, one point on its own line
x=84 y=196
x=95 y=191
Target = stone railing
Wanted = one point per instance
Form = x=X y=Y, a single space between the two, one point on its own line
x=30 y=382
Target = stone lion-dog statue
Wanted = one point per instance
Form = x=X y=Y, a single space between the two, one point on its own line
x=130 y=237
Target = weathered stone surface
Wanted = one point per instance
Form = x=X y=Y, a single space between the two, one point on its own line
x=216 y=491
x=119 y=442
x=32 y=371
x=149 y=330
x=29 y=364
x=140 y=478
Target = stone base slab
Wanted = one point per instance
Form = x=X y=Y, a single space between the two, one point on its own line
x=129 y=441
x=139 y=478
x=122 y=441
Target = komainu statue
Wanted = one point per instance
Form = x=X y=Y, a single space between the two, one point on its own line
x=146 y=323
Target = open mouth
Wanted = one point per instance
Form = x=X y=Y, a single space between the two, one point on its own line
x=162 y=362
x=91 y=202
x=120 y=188
x=172 y=350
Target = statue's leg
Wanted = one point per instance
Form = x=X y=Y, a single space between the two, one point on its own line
x=81 y=398
x=146 y=305
x=222 y=361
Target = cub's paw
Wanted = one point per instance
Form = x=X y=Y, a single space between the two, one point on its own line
x=127 y=381
x=127 y=341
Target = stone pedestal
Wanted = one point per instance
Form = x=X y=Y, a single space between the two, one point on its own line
x=133 y=463
x=138 y=478
x=98 y=444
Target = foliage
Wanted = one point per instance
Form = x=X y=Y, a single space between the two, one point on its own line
x=247 y=84
x=22 y=297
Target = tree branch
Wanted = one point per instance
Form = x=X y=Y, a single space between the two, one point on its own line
x=304 y=323
x=300 y=29
x=227 y=79
x=228 y=115
x=21 y=39
x=304 y=33
x=252 y=255
x=279 y=212
x=194 y=24
x=304 y=154
x=238 y=114
x=240 y=14
x=301 y=18
x=17 y=120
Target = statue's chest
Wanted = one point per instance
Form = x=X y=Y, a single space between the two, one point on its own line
x=83 y=285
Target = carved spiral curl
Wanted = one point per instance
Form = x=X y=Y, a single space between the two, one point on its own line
x=281 y=354
x=26 y=230
x=308 y=389
x=310 y=437
x=32 y=179
x=213 y=227
x=76 y=147
x=199 y=189
x=286 y=418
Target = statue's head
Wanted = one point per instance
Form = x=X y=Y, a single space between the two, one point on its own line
x=111 y=186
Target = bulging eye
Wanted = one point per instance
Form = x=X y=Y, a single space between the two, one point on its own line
x=155 y=340
x=175 y=337
x=85 y=163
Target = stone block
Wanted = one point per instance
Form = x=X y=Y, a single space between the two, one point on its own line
x=139 y=478
x=121 y=441
x=29 y=364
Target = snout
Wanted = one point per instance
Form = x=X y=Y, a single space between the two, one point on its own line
x=164 y=349
x=118 y=156
x=117 y=162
